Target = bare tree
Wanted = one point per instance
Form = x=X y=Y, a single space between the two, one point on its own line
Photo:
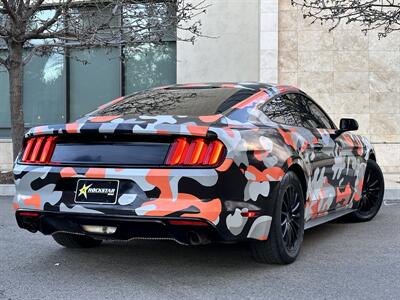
x=382 y=15
x=39 y=27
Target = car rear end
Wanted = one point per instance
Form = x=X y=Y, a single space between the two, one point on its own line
x=118 y=173
x=120 y=186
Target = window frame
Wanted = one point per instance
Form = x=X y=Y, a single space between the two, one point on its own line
x=262 y=108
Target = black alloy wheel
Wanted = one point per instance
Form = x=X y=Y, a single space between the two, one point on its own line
x=372 y=194
x=287 y=226
x=290 y=217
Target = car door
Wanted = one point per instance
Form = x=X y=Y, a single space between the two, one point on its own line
x=333 y=171
x=314 y=145
x=349 y=168
x=321 y=153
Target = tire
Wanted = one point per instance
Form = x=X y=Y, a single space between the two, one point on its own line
x=372 y=194
x=277 y=249
x=75 y=241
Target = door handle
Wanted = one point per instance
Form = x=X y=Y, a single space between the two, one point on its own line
x=318 y=146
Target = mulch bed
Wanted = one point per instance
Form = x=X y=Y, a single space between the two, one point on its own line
x=6 y=177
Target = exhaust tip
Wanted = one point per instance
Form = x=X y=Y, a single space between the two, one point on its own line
x=99 y=229
x=196 y=239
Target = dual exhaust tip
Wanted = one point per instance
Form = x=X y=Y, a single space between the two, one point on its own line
x=193 y=238
x=99 y=229
x=29 y=221
x=196 y=239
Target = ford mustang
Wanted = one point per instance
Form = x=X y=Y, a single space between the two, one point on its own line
x=198 y=163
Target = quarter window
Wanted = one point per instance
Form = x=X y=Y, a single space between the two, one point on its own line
x=282 y=110
x=297 y=110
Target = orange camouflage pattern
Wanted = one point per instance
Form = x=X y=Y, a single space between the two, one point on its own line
x=259 y=153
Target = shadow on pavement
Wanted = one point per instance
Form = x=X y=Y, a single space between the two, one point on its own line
x=114 y=257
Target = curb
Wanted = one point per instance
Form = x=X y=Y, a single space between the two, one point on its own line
x=392 y=194
x=9 y=190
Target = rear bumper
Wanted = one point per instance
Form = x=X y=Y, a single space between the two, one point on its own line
x=127 y=228
x=148 y=197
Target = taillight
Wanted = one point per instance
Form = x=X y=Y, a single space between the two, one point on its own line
x=39 y=150
x=195 y=152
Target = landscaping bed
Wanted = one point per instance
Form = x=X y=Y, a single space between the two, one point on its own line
x=6 y=177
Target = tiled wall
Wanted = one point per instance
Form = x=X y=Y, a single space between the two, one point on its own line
x=5 y=155
x=348 y=73
x=269 y=10
x=231 y=54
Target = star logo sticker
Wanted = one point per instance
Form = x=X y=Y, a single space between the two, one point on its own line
x=83 y=190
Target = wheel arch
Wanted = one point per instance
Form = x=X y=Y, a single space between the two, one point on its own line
x=298 y=170
x=372 y=156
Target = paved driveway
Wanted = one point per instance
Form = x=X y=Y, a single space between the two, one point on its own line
x=338 y=261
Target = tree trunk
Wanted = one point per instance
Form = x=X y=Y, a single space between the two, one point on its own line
x=15 y=73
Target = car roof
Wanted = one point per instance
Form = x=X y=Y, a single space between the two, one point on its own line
x=273 y=89
x=243 y=91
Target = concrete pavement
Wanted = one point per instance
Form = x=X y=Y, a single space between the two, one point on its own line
x=338 y=261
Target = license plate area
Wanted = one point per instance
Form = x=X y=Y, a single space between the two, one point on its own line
x=97 y=191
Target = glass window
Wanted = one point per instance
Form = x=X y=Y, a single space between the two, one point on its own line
x=236 y=98
x=94 y=79
x=178 y=101
x=44 y=90
x=149 y=65
x=320 y=115
x=301 y=112
x=4 y=99
x=297 y=110
x=282 y=110
x=306 y=113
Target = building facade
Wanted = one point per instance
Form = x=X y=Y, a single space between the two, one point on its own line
x=348 y=73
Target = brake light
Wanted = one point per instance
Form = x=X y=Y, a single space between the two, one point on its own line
x=39 y=150
x=192 y=152
x=47 y=150
x=28 y=149
x=35 y=153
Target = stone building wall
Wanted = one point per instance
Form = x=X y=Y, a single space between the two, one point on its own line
x=348 y=73
x=5 y=155
x=231 y=51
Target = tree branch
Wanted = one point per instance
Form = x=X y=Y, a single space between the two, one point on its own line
x=33 y=9
x=36 y=32
x=370 y=15
x=3 y=62
x=9 y=11
x=3 y=32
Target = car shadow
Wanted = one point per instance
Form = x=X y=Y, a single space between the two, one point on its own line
x=116 y=257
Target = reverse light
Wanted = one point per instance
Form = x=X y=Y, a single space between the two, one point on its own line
x=39 y=150
x=195 y=152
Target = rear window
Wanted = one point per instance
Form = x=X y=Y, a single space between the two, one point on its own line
x=179 y=101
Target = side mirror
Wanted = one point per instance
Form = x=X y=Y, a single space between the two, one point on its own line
x=345 y=125
x=348 y=125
